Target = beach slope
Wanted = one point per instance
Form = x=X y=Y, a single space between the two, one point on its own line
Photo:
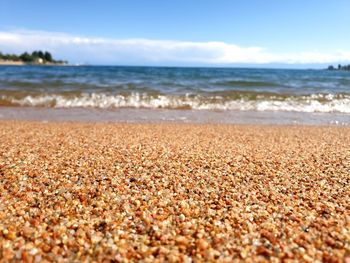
x=174 y=192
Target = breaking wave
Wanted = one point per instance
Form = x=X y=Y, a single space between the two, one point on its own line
x=307 y=103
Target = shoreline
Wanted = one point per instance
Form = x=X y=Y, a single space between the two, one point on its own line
x=21 y=63
x=141 y=115
x=173 y=192
x=12 y=63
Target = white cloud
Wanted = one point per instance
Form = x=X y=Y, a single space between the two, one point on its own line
x=143 y=51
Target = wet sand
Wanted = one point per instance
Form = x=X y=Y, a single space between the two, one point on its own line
x=174 y=192
x=142 y=115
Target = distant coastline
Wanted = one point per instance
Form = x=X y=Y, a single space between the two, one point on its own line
x=340 y=67
x=35 y=58
x=11 y=63
x=21 y=63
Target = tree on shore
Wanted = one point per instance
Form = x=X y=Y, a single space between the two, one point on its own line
x=48 y=56
x=340 y=67
x=25 y=57
x=36 y=56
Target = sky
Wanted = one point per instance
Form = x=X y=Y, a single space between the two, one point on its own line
x=299 y=33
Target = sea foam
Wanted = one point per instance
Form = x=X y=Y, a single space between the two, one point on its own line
x=310 y=103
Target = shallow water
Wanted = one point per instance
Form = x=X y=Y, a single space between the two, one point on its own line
x=177 y=116
x=192 y=88
x=221 y=92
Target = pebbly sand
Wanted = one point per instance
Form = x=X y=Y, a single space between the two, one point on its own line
x=173 y=192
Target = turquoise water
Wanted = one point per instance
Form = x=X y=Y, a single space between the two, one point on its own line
x=215 y=89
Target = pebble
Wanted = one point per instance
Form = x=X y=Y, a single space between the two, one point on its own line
x=202 y=244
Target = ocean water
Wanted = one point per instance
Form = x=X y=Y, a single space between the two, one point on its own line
x=227 y=90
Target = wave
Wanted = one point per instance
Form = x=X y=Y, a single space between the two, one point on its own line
x=241 y=83
x=310 y=103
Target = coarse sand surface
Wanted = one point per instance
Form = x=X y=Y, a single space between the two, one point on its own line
x=173 y=192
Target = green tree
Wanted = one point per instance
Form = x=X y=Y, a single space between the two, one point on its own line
x=35 y=54
x=48 y=56
x=41 y=54
x=26 y=57
x=13 y=57
x=32 y=58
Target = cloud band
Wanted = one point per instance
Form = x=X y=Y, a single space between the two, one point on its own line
x=143 y=51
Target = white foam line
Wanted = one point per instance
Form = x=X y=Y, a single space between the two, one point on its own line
x=310 y=103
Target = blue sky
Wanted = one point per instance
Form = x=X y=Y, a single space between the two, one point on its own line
x=179 y=32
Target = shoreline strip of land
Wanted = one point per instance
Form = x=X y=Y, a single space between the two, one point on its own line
x=11 y=63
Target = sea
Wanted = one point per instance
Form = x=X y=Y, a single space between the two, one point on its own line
x=175 y=94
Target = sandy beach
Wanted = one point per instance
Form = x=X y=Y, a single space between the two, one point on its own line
x=174 y=192
x=11 y=63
